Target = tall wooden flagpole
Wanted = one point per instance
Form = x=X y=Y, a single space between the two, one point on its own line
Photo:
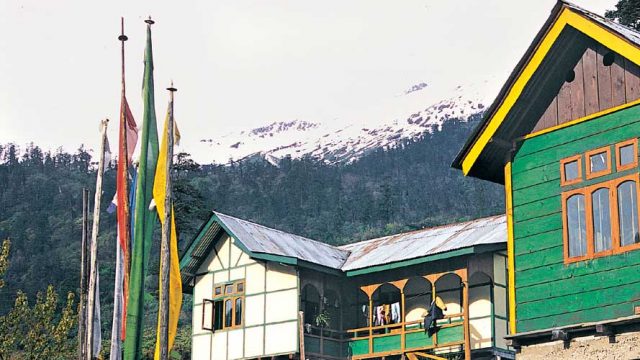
x=91 y=302
x=118 y=299
x=165 y=252
x=82 y=308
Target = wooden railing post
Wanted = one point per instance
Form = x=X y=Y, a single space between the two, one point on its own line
x=370 y=324
x=465 y=305
x=403 y=329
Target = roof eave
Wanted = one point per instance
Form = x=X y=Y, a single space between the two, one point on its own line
x=469 y=250
x=515 y=73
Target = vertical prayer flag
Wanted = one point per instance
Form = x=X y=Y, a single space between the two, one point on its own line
x=175 y=282
x=128 y=138
x=144 y=219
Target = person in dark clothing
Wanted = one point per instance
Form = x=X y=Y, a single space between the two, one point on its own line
x=436 y=312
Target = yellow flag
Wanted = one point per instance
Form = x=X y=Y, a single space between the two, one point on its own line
x=175 y=282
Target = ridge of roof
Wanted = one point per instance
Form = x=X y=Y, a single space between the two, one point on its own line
x=276 y=230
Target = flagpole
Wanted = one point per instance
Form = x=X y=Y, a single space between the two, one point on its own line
x=83 y=275
x=166 y=235
x=118 y=294
x=94 y=242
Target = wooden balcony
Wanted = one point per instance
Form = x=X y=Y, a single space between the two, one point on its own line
x=396 y=339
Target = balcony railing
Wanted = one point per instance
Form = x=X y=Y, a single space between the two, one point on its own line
x=325 y=343
x=397 y=338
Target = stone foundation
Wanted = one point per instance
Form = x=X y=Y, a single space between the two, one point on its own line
x=626 y=347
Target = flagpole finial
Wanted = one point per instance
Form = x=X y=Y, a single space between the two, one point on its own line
x=171 y=88
x=122 y=36
x=149 y=21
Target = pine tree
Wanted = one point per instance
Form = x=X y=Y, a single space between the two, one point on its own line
x=627 y=13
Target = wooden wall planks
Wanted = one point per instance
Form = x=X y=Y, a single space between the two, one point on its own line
x=595 y=87
x=548 y=292
x=589 y=59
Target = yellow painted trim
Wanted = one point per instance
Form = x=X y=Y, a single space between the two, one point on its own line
x=567 y=17
x=582 y=119
x=510 y=249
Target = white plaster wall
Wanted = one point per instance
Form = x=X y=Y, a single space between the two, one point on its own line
x=221 y=277
x=235 y=347
x=255 y=279
x=281 y=277
x=223 y=253
x=245 y=259
x=282 y=306
x=218 y=347
x=269 y=286
x=201 y=347
x=203 y=288
x=281 y=338
x=254 y=310
x=196 y=319
x=255 y=344
x=237 y=274
x=236 y=253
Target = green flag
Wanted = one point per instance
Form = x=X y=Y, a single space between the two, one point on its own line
x=145 y=219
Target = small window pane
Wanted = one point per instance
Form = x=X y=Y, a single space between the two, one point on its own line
x=240 y=287
x=238 y=311
x=571 y=171
x=577 y=230
x=627 y=155
x=598 y=162
x=628 y=213
x=217 y=314
x=228 y=289
x=601 y=219
x=218 y=290
x=228 y=311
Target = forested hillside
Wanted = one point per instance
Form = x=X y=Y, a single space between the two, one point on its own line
x=385 y=192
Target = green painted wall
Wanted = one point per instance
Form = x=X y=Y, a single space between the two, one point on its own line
x=548 y=292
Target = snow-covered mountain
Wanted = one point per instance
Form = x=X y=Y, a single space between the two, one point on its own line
x=419 y=109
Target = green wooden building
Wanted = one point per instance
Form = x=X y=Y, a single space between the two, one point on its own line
x=263 y=293
x=562 y=136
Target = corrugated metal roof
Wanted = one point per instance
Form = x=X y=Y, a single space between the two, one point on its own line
x=261 y=239
x=420 y=243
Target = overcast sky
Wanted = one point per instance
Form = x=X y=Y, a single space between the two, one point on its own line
x=239 y=63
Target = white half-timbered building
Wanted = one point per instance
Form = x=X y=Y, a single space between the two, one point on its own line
x=263 y=293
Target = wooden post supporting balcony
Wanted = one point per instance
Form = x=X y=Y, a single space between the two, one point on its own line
x=432 y=280
x=465 y=310
x=369 y=290
x=400 y=284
